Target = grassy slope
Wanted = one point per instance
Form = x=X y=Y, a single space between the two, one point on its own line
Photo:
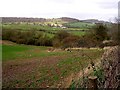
x=23 y=51
x=39 y=27
x=81 y=25
x=43 y=74
x=27 y=27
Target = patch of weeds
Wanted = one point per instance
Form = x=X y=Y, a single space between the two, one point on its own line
x=56 y=77
x=81 y=83
x=32 y=85
x=100 y=76
x=41 y=79
x=72 y=86
x=64 y=72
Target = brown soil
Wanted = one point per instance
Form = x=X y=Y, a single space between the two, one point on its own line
x=16 y=69
x=5 y=42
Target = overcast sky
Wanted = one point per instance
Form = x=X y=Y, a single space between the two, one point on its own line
x=80 y=9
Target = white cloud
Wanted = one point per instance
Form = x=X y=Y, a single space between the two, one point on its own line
x=101 y=9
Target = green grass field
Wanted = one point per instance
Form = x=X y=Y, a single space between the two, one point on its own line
x=34 y=66
x=26 y=27
x=25 y=51
x=32 y=27
x=78 y=33
x=81 y=25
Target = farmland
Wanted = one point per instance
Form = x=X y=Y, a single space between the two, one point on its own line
x=81 y=25
x=80 y=30
x=50 y=53
x=33 y=66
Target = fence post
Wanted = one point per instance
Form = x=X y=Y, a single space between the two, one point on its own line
x=92 y=82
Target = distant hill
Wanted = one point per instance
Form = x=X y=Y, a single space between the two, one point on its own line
x=22 y=19
x=93 y=21
x=68 y=19
x=82 y=25
x=61 y=20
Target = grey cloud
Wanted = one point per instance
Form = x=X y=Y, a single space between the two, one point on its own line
x=101 y=16
x=62 y=1
x=108 y=5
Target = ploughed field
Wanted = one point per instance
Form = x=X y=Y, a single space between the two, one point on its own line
x=28 y=66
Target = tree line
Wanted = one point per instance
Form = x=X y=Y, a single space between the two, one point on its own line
x=63 y=39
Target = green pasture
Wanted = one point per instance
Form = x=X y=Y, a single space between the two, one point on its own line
x=47 y=30
x=81 y=25
x=78 y=33
x=27 y=27
x=73 y=62
x=13 y=52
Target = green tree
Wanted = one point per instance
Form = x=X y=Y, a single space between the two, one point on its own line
x=70 y=41
x=61 y=35
x=100 y=32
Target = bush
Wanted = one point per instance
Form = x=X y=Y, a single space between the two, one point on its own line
x=115 y=33
x=27 y=37
x=100 y=32
x=82 y=42
x=56 y=43
x=94 y=37
x=63 y=39
x=70 y=41
x=7 y=34
x=87 y=41
x=61 y=35
x=44 y=41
